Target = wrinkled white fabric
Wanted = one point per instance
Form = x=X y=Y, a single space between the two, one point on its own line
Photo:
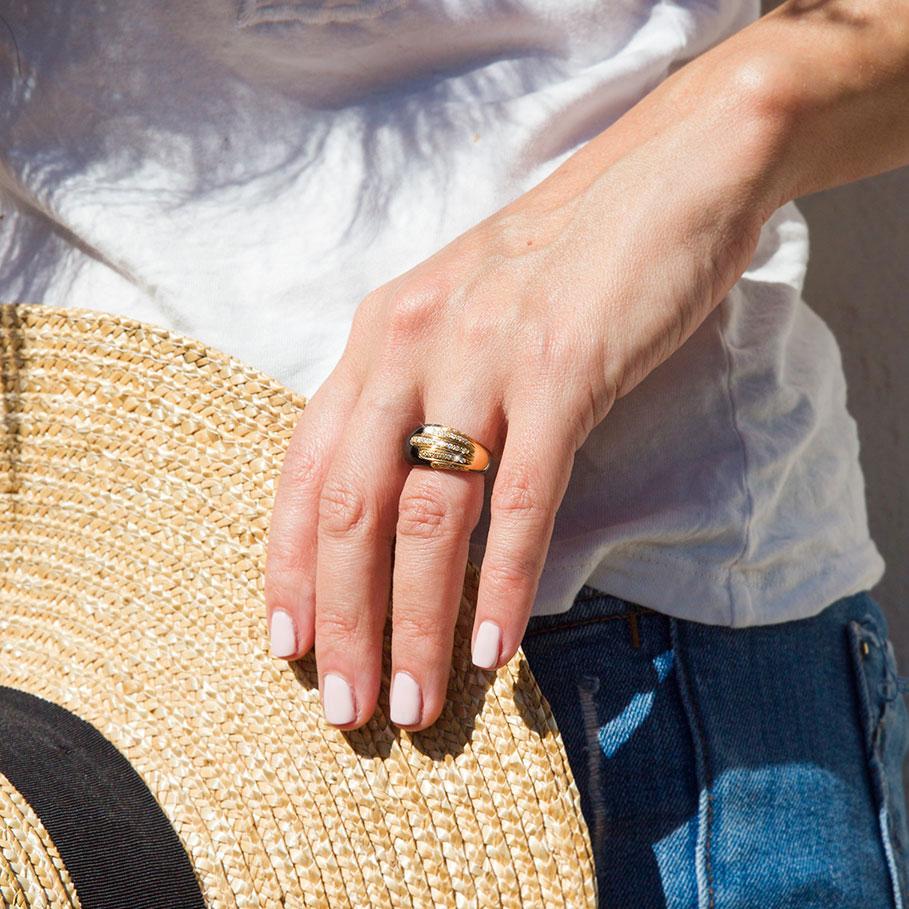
x=245 y=171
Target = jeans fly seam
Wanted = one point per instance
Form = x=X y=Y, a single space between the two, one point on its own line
x=705 y=794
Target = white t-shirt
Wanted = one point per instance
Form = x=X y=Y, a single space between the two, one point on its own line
x=245 y=171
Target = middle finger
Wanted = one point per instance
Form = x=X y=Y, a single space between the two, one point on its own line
x=438 y=510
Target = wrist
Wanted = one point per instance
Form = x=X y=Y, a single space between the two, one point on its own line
x=802 y=99
x=726 y=118
x=826 y=90
x=714 y=120
x=740 y=123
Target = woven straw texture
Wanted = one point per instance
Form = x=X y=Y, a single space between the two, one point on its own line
x=137 y=475
x=31 y=870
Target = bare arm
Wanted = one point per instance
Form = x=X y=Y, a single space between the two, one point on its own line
x=818 y=91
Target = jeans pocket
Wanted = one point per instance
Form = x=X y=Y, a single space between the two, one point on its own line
x=885 y=728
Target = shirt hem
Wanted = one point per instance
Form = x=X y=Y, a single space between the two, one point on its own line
x=692 y=594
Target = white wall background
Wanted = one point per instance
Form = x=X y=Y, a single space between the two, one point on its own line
x=858 y=281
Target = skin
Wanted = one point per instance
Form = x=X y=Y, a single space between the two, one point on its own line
x=525 y=330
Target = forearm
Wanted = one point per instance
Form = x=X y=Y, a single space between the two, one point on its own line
x=798 y=101
x=836 y=73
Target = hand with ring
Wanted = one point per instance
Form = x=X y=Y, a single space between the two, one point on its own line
x=511 y=343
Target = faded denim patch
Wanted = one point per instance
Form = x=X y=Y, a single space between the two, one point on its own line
x=725 y=768
x=613 y=734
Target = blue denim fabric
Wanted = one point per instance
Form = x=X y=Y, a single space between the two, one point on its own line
x=725 y=768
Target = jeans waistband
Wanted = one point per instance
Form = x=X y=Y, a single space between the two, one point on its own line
x=591 y=606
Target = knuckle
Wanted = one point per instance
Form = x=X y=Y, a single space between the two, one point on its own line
x=515 y=493
x=343 y=510
x=338 y=627
x=382 y=400
x=279 y=587
x=287 y=557
x=416 y=631
x=303 y=466
x=506 y=577
x=421 y=514
x=415 y=310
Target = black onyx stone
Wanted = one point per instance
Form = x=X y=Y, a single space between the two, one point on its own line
x=411 y=452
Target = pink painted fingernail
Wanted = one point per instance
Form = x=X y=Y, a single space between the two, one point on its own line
x=406 y=706
x=486 y=645
x=337 y=700
x=283 y=634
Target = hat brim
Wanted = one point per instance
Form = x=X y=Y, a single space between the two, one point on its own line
x=137 y=474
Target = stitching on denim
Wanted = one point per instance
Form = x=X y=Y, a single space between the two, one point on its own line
x=593 y=620
x=883 y=820
x=858 y=632
x=888 y=691
x=705 y=782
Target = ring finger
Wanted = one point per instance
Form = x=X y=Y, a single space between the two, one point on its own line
x=438 y=510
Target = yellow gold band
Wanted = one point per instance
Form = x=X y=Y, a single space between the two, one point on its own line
x=445 y=448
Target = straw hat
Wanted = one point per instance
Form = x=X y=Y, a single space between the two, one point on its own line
x=152 y=753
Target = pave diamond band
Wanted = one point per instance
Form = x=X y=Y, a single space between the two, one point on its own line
x=435 y=445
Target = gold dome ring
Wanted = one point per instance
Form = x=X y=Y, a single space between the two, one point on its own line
x=445 y=448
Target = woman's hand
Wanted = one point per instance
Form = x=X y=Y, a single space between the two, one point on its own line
x=522 y=333
x=525 y=330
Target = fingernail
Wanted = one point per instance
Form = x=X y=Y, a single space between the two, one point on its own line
x=337 y=700
x=486 y=645
x=283 y=634
x=406 y=699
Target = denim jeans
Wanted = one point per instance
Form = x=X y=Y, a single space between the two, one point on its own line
x=725 y=768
